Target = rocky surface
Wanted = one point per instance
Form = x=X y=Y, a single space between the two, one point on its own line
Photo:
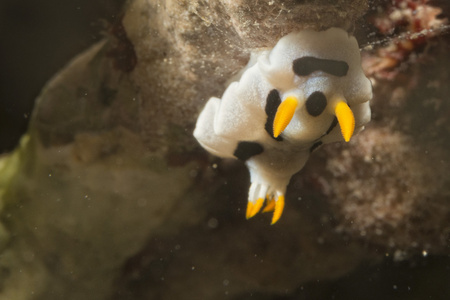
x=109 y=196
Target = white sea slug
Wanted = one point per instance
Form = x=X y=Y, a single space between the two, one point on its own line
x=308 y=90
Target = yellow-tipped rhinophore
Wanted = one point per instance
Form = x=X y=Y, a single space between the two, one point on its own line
x=346 y=119
x=249 y=210
x=256 y=207
x=279 y=206
x=284 y=114
x=270 y=206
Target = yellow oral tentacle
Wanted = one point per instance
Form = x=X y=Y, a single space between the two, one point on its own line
x=279 y=206
x=270 y=206
x=284 y=115
x=249 y=210
x=256 y=207
x=346 y=120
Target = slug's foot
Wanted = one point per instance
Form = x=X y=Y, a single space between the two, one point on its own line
x=257 y=195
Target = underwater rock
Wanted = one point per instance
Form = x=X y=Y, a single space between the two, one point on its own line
x=110 y=197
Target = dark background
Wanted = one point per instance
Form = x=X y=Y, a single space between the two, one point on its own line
x=37 y=38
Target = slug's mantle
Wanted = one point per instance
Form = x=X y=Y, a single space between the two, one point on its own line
x=308 y=90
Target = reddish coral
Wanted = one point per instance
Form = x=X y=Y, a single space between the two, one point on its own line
x=408 y=25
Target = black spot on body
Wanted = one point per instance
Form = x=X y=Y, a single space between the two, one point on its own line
x=304 y=66
x=316 y=103
x=272 y=102
x=245 y=150
x=315 y=146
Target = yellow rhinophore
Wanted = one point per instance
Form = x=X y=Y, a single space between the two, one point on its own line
x=276 y=206
x=346 y=119
x=270 y=206
x=284 y=115
x=255 y=208
x=279 y=206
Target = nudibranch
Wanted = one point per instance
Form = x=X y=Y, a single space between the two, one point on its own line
x=308 y=90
